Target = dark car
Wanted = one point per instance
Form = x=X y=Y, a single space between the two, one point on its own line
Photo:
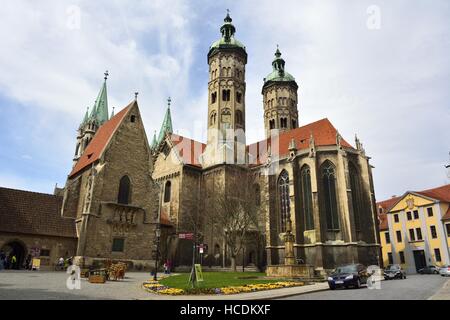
x=394 y=271
x=429 y=270
x=350 y=275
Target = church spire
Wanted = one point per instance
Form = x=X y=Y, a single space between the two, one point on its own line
x=85 y=119
x=154 y=142
x=227 y=29
x=278 y=63
x=99 y=112
x=166 y=126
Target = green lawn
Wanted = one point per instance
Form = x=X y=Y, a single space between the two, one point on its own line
x=217 y=280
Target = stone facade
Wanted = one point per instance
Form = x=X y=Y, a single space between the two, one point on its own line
x=332 y=212
x=92 y=195
x=31 y=224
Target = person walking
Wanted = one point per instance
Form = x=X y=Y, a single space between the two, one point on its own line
x=169 y=266
x=28 y=262
x=2 y=260
x=165 y=267
x=14 y=261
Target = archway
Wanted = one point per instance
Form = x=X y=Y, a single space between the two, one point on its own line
x=16 y=248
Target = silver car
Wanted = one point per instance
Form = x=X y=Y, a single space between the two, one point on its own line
x=445 y=271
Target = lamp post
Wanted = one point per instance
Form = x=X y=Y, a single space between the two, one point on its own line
x=158 y=235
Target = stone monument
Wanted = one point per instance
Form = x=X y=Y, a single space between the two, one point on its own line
x=290 y=268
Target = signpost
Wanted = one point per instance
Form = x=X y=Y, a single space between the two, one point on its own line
x=198 y=272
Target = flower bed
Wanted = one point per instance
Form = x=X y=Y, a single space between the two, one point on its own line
x=156 y=287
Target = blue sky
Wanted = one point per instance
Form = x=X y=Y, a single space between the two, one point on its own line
x=388 y=84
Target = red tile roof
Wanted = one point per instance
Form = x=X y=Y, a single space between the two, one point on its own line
x=33 y=213
x=385 y=206
x=441 y=193
x=101 y=138
x=189 y=150
x=323 y=132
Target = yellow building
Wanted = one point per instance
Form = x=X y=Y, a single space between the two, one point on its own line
x=415 y=229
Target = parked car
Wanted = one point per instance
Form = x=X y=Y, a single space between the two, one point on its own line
x=429 y=270
x=445 y=271
x=394 y=271
x=350 y=275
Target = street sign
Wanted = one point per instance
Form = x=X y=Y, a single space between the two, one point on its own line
x=201 y=250
x=188 y=236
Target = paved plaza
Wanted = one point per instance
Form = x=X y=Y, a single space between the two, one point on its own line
x=46 y=285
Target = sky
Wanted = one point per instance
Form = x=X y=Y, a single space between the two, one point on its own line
x=378 y=69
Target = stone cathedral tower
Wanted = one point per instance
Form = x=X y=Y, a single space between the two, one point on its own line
x=280 y=98
x=226 y=103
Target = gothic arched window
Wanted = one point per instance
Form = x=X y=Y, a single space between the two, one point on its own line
x=213 y=97
x=283 y=193
x=355 y=185
x=238 y=97
x=124 y=195
x=328 y=172
x=77 y=149
x=283 y=122
x=294 y=124
x=239 y=117
x=167 y=191
x=271 y=124
x=226 y=95
x=212 y=118
x=306 y=195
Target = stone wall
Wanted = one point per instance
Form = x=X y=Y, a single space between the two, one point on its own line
x=58 y=246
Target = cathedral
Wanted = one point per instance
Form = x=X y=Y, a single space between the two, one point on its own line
x=124 y=194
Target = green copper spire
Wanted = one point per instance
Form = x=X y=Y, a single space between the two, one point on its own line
x=228 y=40
x=166 y=126
x=279 y=73
x=154 y=142
x=86 y=116
x=99 y=112
x=227 y=29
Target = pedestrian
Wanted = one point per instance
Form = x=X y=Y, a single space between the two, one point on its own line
x=8 y=261
x=14 y=261
x=61 y=263
x=2 y=260
x=169 y=266
x=165 y=267
x=28 y=262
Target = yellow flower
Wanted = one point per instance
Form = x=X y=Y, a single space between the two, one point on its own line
x=171 y=291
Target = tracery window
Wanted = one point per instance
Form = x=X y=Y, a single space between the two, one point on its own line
x=306 y=196
x=328 y=172
x=124 y=195
x=283 y=193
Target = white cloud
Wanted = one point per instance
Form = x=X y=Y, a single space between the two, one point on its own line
x=387 y=85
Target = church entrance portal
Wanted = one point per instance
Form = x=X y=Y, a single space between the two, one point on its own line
x=16 y=248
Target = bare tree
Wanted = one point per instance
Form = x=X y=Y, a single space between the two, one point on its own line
x=235 y=210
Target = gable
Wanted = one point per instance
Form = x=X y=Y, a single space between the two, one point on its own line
x=410 y=201
x=99 y=142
